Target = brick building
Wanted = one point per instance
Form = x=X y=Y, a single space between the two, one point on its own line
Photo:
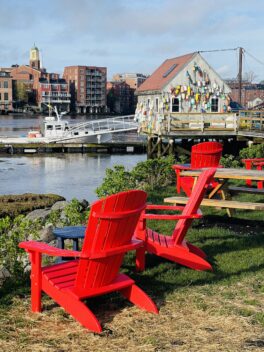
x=53 y=91
x=6 y=95
x=29 y=85
x=252 y=94
x=134 y=80
x=120 y=98
x=87 y=87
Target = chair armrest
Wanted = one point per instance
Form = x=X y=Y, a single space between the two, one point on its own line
x=134 y=244
x=164 y=207
x=170 y=217
x=34 y=246
x=181 y=167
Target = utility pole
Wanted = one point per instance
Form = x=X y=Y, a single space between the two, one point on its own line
x=240 y=76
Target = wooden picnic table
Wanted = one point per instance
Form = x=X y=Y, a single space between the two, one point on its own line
x=223 y=176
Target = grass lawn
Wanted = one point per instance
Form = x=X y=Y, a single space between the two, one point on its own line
x=221 y=310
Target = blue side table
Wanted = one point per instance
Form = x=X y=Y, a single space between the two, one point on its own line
x=73 y=233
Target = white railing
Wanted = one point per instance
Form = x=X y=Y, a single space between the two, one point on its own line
x=109 y=125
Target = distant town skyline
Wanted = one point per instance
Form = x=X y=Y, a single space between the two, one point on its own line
x=132 y=36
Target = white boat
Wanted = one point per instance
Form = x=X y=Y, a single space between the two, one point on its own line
x=56 y=130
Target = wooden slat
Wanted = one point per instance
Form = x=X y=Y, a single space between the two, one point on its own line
x=232 y=204
x=234 y=189
x=235 y=174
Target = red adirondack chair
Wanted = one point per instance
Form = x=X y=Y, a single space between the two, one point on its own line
x=206 y=154
x=108 y=237
x=250 y=163
x=175 y=247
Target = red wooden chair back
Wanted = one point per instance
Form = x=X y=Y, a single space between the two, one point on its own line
x=111 y=224
x=206 y=154
x=193 y=204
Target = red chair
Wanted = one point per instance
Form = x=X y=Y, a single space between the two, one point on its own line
x=249 y=163
x=108 y=237
x=206 y=154
x=174 y=247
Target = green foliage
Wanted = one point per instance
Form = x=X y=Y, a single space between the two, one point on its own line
x=254 y=151
x=74 y=214
x=154 y=173
x=229 y=160
x=146 y=175
x=11 y=233
x=116 y=180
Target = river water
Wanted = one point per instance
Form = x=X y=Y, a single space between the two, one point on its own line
x=69 y=175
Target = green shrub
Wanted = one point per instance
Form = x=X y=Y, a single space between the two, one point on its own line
x=154 y=173
x=229 y=160
x=116 y=180
x=254 y=151
x=146 y=175
x=11 y=233
x=74 y=213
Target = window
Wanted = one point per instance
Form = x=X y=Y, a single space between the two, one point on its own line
x=0 y=84
x=214 y=105
x=157 y=104
x=49 y=127
x=169 y=70
x=5 y=84
x=175 y=105
x=5 y=96
x=148 y=103
x=0 y=97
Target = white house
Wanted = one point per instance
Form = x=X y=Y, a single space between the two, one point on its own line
x=185 y=84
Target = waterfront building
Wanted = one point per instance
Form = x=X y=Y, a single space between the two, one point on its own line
x=184 y=84
x=134 y=80
x=53 y=91
x=252 y=94
x=120 y=98
x=6 y=95
x=33 y=86
x=87 y=87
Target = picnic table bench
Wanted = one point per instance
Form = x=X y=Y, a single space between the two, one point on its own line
x=221 y=203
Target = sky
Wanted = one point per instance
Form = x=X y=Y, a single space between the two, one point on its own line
x=133 y=35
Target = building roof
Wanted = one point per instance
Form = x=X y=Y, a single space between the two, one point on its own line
x=165 y=72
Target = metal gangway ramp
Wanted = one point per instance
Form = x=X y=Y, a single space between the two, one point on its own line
x=108 y=125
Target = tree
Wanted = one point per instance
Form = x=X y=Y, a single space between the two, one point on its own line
x=249 y=76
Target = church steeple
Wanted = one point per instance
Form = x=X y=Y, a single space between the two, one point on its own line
x=34 y=60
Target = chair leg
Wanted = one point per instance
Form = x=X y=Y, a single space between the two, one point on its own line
x=73 y=306
x=196 y=250
x=138 y=297
x=140 y=259
x=35 y=258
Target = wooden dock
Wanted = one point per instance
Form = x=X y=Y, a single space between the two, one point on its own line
x=41 y=148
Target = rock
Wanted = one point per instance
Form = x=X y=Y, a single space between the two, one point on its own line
x=41 y=214
x=4 y=273
x=59 y=205
x=84 y=203
x=46 y=234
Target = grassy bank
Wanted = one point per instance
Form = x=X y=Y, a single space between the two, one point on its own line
x=13 y=205
x=221 y=310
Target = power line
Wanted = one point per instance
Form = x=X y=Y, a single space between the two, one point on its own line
x=215 y=50
x=253 y=57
